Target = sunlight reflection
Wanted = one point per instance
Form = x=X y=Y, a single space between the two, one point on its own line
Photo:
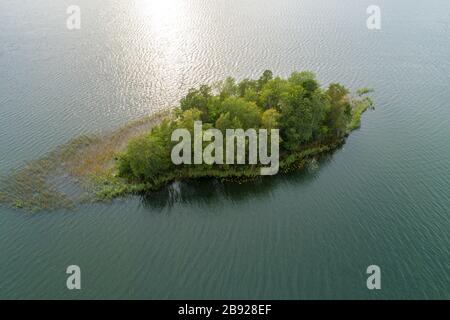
x=165 y=29
x=161 y=15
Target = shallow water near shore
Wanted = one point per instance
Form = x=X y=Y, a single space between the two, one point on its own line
x=381 y=199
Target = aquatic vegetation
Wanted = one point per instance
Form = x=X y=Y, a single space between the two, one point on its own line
x=363 y=91
x=78 y=163
x=360 y=106
x=135 y=158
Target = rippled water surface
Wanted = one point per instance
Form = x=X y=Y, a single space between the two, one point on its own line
x=383 y=199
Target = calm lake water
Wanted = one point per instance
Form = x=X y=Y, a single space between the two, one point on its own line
x=383 y=199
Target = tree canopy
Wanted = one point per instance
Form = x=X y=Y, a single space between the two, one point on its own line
x=303 y=111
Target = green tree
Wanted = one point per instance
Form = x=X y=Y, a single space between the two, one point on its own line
x=227 y=121
x=149 y=155
x=298 y=78
x=272 y=93
x=270 y=119
x=340 y=111
x=197 y=98
x=246 y=85
x=296 y=118
x=188 y=118
x=305 y=79
x=320 y=108
x=265 y=77
x=247 y=112
x=227 y=88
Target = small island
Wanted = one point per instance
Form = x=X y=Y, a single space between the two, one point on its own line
x=311 y=121
x=136 y=158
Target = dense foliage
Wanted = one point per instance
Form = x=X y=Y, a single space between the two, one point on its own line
x=306 y=114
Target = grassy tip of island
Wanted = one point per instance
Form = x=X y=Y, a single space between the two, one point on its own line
x=312 y=121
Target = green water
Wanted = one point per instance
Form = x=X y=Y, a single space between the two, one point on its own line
x=382 y=199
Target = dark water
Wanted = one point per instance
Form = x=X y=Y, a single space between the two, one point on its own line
x=383 y=199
